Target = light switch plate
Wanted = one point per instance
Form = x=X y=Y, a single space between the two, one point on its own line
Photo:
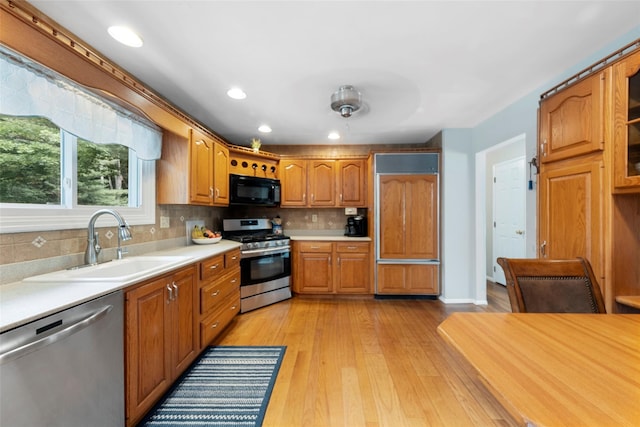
x=350 y=211
x=190 y=225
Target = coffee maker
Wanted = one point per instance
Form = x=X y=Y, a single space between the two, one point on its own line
x=356 y=226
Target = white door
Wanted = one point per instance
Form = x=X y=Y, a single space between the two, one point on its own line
x=509 y=179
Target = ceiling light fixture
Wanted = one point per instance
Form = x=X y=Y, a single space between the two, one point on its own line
x=264 y=128
x=334 y=136
x=346 y=101
x=236 y=93
x=125 y=36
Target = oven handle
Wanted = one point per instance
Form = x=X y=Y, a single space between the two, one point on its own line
x=253 y=253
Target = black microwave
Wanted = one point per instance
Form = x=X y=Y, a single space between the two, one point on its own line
x=251 y=190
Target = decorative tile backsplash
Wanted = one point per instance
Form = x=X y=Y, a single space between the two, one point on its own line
x=43 y=245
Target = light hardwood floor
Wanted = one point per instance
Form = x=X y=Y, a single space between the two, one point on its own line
x=367 y=362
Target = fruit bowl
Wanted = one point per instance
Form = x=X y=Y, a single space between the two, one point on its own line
x=206 y=240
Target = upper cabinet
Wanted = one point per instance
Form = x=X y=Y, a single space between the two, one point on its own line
x=193 y=171
x=572 y=121
x=323 y=183
x=626 y=156
x=352 y=182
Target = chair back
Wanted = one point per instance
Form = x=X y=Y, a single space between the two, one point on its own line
x=552 y=286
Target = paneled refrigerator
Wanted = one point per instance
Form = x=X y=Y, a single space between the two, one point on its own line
x=407 y=212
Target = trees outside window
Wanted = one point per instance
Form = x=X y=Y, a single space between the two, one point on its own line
x=35 y=156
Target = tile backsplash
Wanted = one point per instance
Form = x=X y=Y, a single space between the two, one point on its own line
x=43 y=251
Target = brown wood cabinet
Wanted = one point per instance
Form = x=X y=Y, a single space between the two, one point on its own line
x=325 y=267
x=193 y=171
x=571 y=210
x=161 y=338
x=323 y=183
x=408 y=231
x=408 y=279
x=409 y=217
x=219 y=289
x=588 y=187
x=572 y=122
x=626 y=124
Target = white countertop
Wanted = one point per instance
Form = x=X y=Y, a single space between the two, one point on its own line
x=24 y=301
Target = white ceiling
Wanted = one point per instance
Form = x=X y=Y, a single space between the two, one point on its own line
x=421 y=66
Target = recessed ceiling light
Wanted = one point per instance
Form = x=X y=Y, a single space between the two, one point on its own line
x=265 y=128
x=125 y=36
x=236 y=93
x=334 y=135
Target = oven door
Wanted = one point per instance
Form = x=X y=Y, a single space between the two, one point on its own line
x=263 y=265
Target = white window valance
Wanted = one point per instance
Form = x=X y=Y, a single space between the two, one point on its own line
x=29 y=89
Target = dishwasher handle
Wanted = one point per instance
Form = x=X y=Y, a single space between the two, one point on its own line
x=20 y=351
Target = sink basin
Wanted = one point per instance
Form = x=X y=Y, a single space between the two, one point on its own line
x=122 y=270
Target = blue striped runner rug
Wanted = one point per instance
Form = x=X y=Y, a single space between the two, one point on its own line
x=227 y=386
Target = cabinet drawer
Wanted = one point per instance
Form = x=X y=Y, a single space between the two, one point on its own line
x=211 y=267
x=314 y=246
x=360 y=247
x=232 y=258
x=212 y=325
x=214 y=293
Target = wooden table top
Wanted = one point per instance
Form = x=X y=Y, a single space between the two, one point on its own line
x=555 y=369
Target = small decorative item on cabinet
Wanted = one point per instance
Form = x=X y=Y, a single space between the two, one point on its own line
x=255 y=144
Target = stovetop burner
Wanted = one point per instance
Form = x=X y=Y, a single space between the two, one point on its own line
x=253 y=233
x=245 y=238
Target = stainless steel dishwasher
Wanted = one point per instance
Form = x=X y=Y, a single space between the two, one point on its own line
x=66 y=369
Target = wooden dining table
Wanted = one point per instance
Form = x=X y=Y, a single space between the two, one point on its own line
x=555 y=369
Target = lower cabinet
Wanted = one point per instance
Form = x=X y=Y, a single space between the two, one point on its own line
x=324 y=267
x=408 y=279
x=161 y=338
x=219 y=288
x=169 y=320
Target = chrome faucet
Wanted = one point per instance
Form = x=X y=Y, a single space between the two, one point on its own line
x=93 y=245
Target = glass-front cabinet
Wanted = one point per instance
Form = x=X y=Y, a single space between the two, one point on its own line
x=626 y=75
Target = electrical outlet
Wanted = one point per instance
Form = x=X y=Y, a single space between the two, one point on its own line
x=314 y=218
x=164 y=222
x=350 y=211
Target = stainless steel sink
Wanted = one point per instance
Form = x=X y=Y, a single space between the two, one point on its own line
x=121 y=270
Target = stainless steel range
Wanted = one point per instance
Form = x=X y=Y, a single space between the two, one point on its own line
x=265 y=262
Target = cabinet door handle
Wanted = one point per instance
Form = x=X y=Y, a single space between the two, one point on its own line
x=234 y=280
x=217 y=193
x=543 y=148
x=170 y=289
x=233 y=258
x=175 y=287
x=234 y=307
x=315 y=247
x=340 y=196
x=215 y=325
x=352 y=247
x=338 y=261
x=216 y=293
x=210 y=191
x=543 y=249
x=304 y=197
x=213 y=267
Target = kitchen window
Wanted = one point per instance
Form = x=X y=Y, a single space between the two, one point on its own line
x=65 y=152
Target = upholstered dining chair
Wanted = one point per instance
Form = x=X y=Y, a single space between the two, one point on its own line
x=552 y=286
